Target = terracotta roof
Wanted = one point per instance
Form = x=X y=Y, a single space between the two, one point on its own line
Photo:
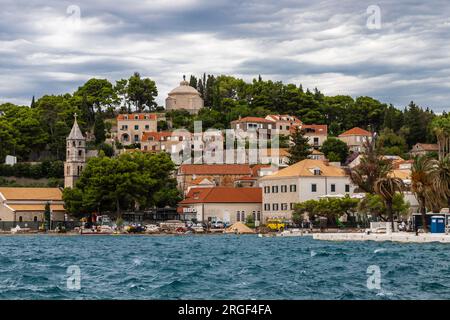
x=246 y=178
x=223 y=195
x=31 y=193
x=141 y=116
x=317 y=152
x=356 y=131
x=213 y=169
x=252 y=119
x=283 y=117
x=403 y=174
x=427 y=146
x=157 y=136
x=200 y=180
x=36 y=207
x=282 y=152
x=318 y=129
x=257 y=167
x=306 y=168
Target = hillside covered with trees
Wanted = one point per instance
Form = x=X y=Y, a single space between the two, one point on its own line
x=37 y=132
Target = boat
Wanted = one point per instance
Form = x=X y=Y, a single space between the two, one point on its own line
x=291 y=233
x=18 y=229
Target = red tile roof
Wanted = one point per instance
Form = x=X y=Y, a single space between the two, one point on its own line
x=257 y=167
x=141 y=116
x=215 y=169
x=157 y=136
x=427 y=146
x=356 y=131
x=253 y=119
x=318 y=129
x=223 y=195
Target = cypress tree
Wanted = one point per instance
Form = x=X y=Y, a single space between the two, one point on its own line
x=300 y=150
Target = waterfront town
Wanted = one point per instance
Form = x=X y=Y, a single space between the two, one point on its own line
x=138 y=171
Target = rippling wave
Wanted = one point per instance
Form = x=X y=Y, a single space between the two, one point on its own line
x=219 y=267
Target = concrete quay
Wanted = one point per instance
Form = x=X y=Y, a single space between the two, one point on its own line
x=404 y=237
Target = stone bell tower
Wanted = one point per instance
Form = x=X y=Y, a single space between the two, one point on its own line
x=75 y=155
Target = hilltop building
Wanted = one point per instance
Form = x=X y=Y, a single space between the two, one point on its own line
x=75 y=155
x=184 y=97
x=355 y=138
x=131 y=127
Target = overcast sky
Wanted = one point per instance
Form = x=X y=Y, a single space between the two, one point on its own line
x=336 y=46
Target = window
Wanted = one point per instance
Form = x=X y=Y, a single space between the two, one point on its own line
x=20 y=219
x=313 y=187
x=35 y=219
x=254 y=215
x=136 y=127
x=347 y=188
x=136 y=117
x=147 y=127
x=333 y=187
x=238 y=216
x=284 y=188
x=317 y=172
x=266 y=189
x=80 y=153
x=284 y=206
x=258 y=216
x=274 y=189
x=275 y=206
x=292 y=205
x=267 y=206
x=316 y=141
x=125 y=127
x=136 y=138
x=293 y=188
x=242 y=215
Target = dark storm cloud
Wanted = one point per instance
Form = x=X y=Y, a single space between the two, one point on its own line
x=324 y=44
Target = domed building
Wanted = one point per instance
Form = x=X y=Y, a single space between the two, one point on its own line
x=184 y=97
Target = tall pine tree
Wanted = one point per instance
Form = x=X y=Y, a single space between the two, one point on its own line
x=300 y=150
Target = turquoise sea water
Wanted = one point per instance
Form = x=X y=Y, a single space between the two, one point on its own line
x=219 y=267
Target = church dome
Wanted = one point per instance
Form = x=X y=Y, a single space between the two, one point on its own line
x=184 y=88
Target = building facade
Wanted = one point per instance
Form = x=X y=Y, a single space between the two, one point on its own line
x=75 y=156
x=306 y=180
x=420 y=149
x=355 y=138
x=130 y=127
x=316 y=133
x=26 y=206
x=222 y=175
x=284 y=123
x=184 y=97
x=225 y=204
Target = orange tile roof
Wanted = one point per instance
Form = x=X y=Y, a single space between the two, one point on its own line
x=215 y=169
x=305 y=168
x=252 y=119
x=428 y=146
x=257 y=167
x=141 y=116
x=356 y=131
x=163 y=134
x=223 y=195
x=36 y=207
x=318 y=129
x=31 y=193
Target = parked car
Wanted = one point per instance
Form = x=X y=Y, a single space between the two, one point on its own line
x=217 y=225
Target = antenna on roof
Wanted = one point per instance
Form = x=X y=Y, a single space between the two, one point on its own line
x=184 y=77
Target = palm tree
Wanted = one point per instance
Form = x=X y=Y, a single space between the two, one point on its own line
x=371 y=168
x=442 y=179
x=386 y=188
x=422 y=184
